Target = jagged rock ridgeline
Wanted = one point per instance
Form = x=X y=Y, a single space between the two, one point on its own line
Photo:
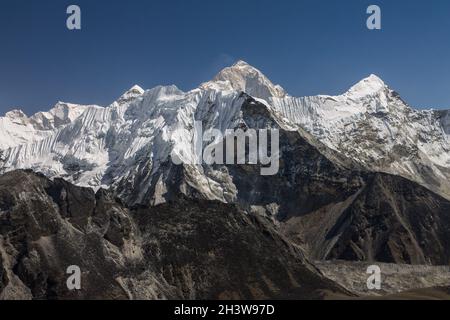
x=187 y=249
x=101 y=147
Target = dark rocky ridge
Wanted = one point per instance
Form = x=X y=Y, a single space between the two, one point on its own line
x=394 y=220
x=336 y=210
x=323 y=202
x=188 y=249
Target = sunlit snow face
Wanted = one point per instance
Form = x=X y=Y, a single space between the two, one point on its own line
x=235 y=148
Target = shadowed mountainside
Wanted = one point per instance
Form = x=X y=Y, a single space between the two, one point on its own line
x=190 y=249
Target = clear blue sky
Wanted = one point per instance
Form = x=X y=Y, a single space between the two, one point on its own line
x=309 y=47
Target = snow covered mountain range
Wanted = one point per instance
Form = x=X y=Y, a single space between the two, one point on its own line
x=128 y=144
x=362 y=177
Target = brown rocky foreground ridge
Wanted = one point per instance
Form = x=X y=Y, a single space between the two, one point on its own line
x=184 y=249
x=190 y=249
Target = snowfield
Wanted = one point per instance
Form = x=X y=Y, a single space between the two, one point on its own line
x=99 y=146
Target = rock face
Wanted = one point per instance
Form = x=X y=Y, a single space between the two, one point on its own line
x=390 y=219
x=334 y=210
x=394 y=220
x=182 y=250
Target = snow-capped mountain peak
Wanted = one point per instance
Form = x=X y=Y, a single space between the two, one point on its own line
x=17 y=128
x=242 y=63
x=134 y=92
x=97 y=146
x=243 y=77
x=137 y=88
x=61 y=114
x=367 y=87
x=15 y=114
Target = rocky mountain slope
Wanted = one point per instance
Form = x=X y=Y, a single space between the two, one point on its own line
x=188 y=249
x=361 y=177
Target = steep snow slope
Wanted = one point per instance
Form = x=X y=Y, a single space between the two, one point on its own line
x=371 y=124
x=130 y=138
x=16 y=128
x=243 y=77
x=136 y=135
